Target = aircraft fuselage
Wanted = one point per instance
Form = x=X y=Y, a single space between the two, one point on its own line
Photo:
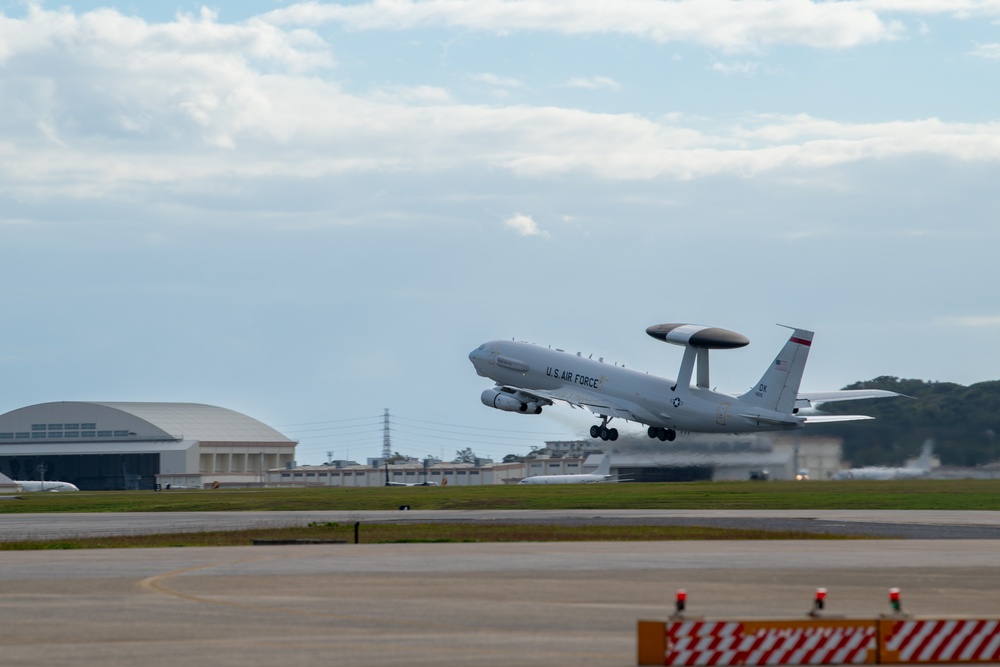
x=628 y=394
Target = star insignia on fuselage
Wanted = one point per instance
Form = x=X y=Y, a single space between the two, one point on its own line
x=677 y=402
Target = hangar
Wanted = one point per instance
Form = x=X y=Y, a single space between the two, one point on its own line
x=117 y=446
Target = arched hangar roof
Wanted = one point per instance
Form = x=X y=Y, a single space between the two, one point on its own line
x=135 y=421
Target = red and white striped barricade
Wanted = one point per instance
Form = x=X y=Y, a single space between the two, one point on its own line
x=792 y=642
x=934 y=641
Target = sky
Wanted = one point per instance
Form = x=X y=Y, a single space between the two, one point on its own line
x=311 y=212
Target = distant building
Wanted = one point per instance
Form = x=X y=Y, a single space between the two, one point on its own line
x=440 y=474
x=109 y=446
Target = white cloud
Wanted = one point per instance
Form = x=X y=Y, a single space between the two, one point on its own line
x=498 y=81
x=744 y=68
x=972 y=322
x=412 y=94
x=991 y=51
x=102 y=105
x=524 y=225
x=593 y=83
x=731 y=25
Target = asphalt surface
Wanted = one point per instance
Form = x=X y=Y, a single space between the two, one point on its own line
x=455 y=604
x=902 y=524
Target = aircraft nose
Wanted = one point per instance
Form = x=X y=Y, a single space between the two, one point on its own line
x=476 y=357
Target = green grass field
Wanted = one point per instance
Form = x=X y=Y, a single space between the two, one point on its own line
x=902 y=494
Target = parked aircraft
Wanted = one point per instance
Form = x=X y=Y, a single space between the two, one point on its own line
x=602 y=474
x=388 y=483
x=50 y=487
x=529 y=377
x=920 y=468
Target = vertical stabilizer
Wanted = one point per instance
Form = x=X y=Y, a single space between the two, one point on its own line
x=604 y=468
x=778 y=388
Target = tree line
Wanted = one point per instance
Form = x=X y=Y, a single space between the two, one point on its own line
x=962 y=421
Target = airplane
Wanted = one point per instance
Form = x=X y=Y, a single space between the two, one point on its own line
x=920 y=468
x=602 y=474
x=49 y=487
x=388 y=483
x=529 y=377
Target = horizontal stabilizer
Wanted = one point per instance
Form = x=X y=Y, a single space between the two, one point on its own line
x=827 y=419
x=808 y=399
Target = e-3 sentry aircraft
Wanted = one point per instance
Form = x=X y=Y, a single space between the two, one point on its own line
x=529 y=377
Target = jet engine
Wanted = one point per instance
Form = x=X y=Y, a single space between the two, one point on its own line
x=501 y=400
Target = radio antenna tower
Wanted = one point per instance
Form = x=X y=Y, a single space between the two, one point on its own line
x=386 y=438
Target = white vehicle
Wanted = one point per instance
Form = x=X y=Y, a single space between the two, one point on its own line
x=920 y=468
x=529 y=377
x=602 y=474
x=51 y=487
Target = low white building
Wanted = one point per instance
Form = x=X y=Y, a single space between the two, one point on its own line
x=439 y=474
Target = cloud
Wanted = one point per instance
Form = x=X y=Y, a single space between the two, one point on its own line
x=524 y=225
x=991 y=51
x=593 y=83
x=498 y=81
x=972 y=322
x=412 y=94
x=744 y=68
x=103 y=106
x=730 y=25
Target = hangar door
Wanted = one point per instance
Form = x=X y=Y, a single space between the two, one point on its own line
x=90 y=472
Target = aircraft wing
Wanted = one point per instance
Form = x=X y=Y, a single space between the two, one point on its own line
x=810 y=399
x=596 y=403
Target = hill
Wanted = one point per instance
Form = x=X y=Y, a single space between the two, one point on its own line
x=962 y=421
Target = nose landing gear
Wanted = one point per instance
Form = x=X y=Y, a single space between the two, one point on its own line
x=603 y=432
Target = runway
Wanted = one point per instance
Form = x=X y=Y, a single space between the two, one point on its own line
x=869 y=523
x=452 y=604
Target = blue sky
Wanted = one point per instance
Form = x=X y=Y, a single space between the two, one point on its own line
x=309 y=212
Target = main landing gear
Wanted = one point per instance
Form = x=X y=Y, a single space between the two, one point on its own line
x=664 y=434
x=603 y=432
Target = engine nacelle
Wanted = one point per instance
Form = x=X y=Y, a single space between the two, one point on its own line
x=501 y=400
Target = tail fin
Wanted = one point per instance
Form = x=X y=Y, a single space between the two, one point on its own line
x=779 y=386
x=605 y=466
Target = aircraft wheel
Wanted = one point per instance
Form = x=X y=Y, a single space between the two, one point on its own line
x=653 y=431
x=671 y=434
x=595 y=431
x=605 y=434
x=662 y=434
x=613 y=434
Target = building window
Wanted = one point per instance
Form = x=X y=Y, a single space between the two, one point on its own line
x=38 y=427
x=88 y=434
x=88 y=427
x=55 y=427
x=71 y=427
x=39 y=435
x=23 y=436
x=104 y=434
x=6 y=436
x=71 y=434
x=121 y=434
x=54 y=434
